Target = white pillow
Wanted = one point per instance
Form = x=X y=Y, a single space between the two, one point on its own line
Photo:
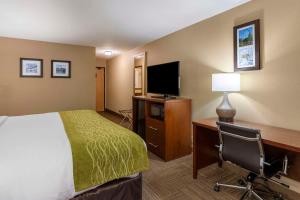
x=2 y=120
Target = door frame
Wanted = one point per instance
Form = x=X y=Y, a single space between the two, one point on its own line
x=98 y=68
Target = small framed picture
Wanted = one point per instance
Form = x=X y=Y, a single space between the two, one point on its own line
x=31 y=67
x=247 y=46
x=60 y=69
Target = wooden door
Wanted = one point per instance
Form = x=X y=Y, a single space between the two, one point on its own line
x=100 y=89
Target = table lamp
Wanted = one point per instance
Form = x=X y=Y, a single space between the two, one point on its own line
x=226 y=83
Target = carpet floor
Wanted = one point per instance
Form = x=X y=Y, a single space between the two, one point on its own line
x=173 y=181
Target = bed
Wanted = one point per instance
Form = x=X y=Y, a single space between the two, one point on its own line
x=69 y=155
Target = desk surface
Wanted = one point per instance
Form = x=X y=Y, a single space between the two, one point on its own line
x=159 y=99
x=278 y=137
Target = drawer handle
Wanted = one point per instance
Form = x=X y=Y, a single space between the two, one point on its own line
x=152 y=128
x=153 y=145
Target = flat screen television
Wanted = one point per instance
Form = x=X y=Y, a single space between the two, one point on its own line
x=164 y=79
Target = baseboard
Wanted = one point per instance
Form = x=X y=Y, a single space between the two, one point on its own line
x=113 y=112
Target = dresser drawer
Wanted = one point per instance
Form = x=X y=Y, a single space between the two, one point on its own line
x=155 y=136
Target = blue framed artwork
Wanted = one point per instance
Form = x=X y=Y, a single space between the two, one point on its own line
x=31 y=67
x=60 y=69
x=247 y=46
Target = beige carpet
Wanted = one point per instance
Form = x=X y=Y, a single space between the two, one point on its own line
x=173 y=180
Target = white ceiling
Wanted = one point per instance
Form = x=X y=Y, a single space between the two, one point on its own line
x=118 y=25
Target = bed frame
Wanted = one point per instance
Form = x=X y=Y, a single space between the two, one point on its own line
x=121 y=189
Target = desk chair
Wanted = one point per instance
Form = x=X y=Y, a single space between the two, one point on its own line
x=243 y=146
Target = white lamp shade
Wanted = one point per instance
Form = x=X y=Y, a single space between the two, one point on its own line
x=226 y=82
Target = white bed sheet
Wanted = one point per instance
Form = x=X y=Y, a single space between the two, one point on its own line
x=3 y=119
x=36 y=159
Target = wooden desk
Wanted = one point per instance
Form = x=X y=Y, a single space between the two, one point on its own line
x=205 y=137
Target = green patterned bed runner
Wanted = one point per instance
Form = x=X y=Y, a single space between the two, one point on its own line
x=102 y=150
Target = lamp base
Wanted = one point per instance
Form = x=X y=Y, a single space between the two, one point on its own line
x=225 y=111
x=222 y=119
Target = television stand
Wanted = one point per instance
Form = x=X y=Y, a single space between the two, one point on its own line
x=165 y=96
x=164 y=124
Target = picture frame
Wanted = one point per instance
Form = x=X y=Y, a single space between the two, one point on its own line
x=60 y=69
x=247 y=46
x=31 y=68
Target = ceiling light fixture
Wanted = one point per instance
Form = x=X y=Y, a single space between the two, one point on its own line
x=108 y=53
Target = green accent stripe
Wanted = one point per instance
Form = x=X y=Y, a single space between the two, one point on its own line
x=102 y=150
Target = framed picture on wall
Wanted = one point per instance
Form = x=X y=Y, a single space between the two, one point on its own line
x=60 y=69
x=247 y=46
x=31 y=67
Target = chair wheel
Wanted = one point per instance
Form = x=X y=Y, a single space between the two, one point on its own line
x=217 y=188
x=241 y=182
x=251 y=177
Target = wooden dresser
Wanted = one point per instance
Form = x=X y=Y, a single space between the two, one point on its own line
x=165 y=125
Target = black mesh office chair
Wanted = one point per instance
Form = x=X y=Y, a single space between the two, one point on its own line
x=243 y=146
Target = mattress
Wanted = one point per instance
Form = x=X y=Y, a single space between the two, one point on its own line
x=36 y=159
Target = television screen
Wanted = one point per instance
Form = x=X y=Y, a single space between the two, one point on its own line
x=163 y=79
